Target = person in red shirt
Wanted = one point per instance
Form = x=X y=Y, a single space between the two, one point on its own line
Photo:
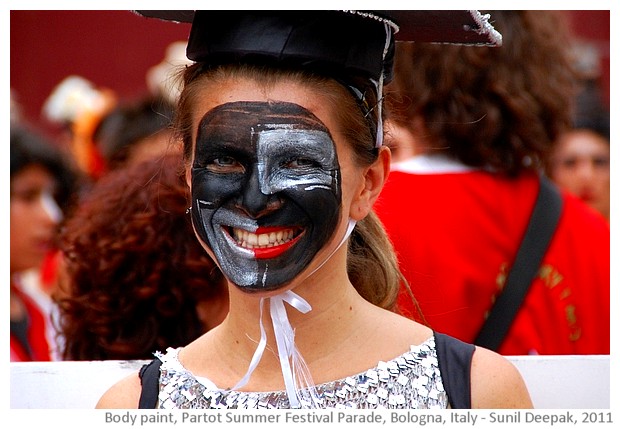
x=29 y=323
x=469 y=130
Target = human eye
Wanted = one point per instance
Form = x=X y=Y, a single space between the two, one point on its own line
x=27 y=195
x=601 y=162
x=225 y=164
x=301 y=163
x=569 y=162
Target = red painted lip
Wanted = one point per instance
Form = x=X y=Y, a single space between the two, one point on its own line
x=275 y=251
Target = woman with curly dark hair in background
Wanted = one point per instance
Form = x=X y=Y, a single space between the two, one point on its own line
x=470 y=130
x=136 y=280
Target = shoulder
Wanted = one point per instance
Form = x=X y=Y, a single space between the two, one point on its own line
x=496 y=382
x=123 y=394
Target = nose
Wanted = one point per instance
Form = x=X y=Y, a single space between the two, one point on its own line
x=254 y=201
x=585 y=170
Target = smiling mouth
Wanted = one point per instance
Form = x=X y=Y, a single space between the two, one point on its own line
x=267 y=242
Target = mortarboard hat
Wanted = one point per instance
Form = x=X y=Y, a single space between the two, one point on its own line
x=349 y=43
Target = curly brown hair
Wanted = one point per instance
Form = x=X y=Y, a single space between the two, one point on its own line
x=135 y=272
x=485 y=106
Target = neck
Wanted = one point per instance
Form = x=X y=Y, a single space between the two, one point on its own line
x=328 y=290
x=334 y=303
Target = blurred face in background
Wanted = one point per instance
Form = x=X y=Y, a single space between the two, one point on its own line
x=580 y=164
x=34 y=216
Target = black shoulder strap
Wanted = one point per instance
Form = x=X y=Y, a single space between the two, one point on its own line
x=540 y=230
x=149 y=378
x=454 y=358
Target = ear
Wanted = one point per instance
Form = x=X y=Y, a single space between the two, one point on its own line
x=188 y=178
x=374 y=179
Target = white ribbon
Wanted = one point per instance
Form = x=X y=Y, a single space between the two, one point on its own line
x=291 y=361
x=388 y=39
x=296 y=374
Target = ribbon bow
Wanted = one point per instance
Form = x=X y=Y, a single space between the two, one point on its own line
x=294 y=369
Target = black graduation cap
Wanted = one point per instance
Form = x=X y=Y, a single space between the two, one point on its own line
x=341 y=43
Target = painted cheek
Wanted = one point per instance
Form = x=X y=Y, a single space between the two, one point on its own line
x=214 y=189
x=209 y=192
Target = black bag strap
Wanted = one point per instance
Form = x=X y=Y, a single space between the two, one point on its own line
x=149 y=378
x=540 y=230
x=454 y=358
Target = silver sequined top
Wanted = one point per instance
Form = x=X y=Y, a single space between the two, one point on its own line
x=412 y=380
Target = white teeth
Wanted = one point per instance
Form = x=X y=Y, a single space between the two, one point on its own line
x=250 y=240
x=263 y=239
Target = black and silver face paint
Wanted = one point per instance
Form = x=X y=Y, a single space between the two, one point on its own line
x=265 y=190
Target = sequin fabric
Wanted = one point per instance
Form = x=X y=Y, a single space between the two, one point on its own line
x=412 y=380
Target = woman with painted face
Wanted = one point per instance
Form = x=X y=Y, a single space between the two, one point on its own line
x=282 y=135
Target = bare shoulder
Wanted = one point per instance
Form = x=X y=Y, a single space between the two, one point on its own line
x=391 y=329
x=124 y=394
x=496 y=382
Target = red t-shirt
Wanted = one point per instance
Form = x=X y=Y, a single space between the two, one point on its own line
x=36 y=332
x=456 y=234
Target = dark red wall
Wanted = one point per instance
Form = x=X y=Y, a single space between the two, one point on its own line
x=593 y=26
x=114 y=49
